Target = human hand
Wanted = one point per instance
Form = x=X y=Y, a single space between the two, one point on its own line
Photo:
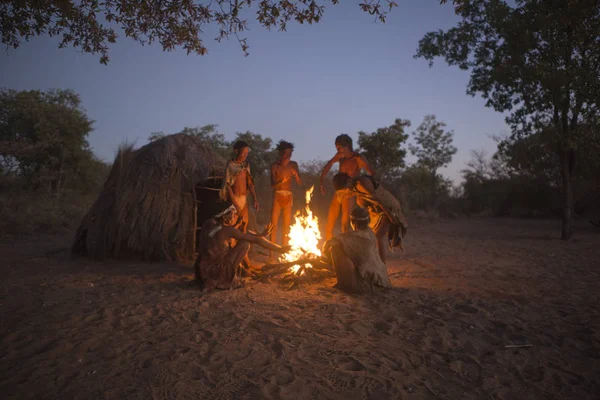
x=285 y=249
x=267 y=231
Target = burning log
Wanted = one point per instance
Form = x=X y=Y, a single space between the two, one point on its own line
x=310 y=269
x=299 y=263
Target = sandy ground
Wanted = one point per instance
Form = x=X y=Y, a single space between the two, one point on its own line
x=463 y=290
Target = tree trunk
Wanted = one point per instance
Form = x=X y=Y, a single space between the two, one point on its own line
x=567 y=196
x=433 y=191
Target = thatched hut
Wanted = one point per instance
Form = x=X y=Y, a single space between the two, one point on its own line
x=152 y=202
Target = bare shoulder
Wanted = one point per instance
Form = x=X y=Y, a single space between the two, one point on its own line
x=229 y=232
x=360 y=158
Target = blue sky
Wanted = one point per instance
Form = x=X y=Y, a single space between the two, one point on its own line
x=306 y=85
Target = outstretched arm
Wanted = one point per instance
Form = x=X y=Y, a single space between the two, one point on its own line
x=256 y=239
x=326 y=169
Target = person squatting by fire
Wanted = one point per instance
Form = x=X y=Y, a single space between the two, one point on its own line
x=351 y=163
x=355 y=258
x=223 y=247
x=282 y=172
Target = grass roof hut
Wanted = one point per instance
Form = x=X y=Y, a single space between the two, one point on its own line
x=152 y=202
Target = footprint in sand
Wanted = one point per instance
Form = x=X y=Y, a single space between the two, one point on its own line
x=341 y=382
x=373 y=388
x=466 y=308
x=163 y=384
x=383 y=327
x=233 y=389
x=349 y=364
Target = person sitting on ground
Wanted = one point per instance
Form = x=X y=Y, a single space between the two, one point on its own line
x=385 y=210
x=354 y=256
x=218 y=265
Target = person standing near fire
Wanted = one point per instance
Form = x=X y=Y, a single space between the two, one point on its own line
x=282 y=172
x=351 y=163
x=238 y=181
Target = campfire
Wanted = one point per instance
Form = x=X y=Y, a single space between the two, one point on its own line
x=304 y=237
x=303 y=262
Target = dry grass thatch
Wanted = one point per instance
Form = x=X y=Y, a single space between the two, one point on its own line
x=146 y=207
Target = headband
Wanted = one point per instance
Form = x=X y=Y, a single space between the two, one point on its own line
x=226 y=211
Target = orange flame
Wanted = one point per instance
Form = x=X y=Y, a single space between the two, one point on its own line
x=304 y=235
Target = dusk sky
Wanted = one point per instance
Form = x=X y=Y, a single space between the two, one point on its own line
x=306 y=85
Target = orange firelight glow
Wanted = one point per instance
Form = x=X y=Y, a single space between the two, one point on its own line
x=304 y=236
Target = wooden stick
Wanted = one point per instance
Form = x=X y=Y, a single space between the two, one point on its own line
x=300 y=261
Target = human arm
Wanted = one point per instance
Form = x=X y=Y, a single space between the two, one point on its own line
x=265 y=232
x=257 y=239
x=250 y=183
x=366 y=166
x=297 y=174
x=326 y=169
x=224 y=192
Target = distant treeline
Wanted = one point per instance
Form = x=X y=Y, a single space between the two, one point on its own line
x=49 y=175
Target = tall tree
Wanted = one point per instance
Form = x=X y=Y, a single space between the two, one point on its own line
x=536 y=60
x=261 y=154
x=43 y=135
x=535 y=156
x=383 y=148
x=433 y=147
x=91 y=25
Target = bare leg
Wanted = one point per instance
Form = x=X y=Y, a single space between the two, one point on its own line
x=275 y=211
x=347 y=206
x=235 y=257
x=287 y=220
x=345 y=270
x=332 y=216
x=237 y=254
x=244 y=215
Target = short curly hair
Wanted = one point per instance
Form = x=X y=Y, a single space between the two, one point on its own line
x=239 y=145
x=344 y=140
x=283 y=145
